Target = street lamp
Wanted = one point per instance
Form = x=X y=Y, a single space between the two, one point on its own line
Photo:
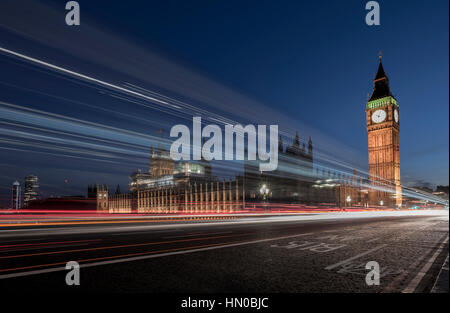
x=264 y=191
x=381 y=202
x=348 y=199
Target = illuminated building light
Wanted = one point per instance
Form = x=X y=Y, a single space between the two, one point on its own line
x=382 y=102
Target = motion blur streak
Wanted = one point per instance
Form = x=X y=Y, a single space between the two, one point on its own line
x=129 y=255
x=254 y=232
x=94 y=80
x=116 y=247
x=46 y=243
x=101 y=150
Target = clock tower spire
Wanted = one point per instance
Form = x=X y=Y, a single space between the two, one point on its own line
x=382 y=118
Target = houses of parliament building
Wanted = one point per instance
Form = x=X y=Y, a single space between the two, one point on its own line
x=173 y=187
x=189 y=187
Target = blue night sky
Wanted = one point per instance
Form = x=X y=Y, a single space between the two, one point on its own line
x=313 y=60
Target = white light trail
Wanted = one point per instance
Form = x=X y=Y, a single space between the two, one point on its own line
x=82 y=76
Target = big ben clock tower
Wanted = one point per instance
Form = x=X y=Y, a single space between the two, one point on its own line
x=382 y=115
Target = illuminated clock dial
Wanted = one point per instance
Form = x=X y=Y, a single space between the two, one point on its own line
x=378 y=116
x=396 y=115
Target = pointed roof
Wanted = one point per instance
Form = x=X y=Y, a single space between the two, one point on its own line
x=381 y=84
x=296 y=140
x=380 y=73
x=310 y=145
x=280 y=144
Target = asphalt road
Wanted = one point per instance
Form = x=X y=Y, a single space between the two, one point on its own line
x=292 y=253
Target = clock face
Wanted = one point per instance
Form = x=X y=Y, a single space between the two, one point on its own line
x=396 y=115
x=379 y=116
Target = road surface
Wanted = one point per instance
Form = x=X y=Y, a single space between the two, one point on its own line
x=287 y=253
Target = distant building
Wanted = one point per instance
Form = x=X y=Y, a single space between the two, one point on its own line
x=443 y=189
x=422 y=189
x=341 y=190
x=102 y=197
x=173 y=187
x=161 y=163
x=164 y=172
x=289 y=183
x=442 y=192
x=441 y=195
x=31 y=189
x=15 y=197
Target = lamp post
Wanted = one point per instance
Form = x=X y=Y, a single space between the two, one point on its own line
x=264 y=192
x=348 y=200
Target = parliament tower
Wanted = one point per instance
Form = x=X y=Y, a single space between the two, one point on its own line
x=382 y=116
x=161 y=163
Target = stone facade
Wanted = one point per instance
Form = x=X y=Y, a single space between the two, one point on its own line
x=208 y=197
x=290 y=182
x=383 y=127
x=173 y=187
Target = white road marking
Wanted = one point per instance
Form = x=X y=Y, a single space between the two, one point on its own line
x=416 y=280
x=339 y=237
x=360 y=269
x=144 y=257
x=355 y=257
x=312 y=246
x=436 y=288
x=393 y=285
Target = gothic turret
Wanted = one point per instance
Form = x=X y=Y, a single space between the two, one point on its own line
x=296 y=143
x=380 y=84
x=280 y=145
x=160 y=162
x=310 y=146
